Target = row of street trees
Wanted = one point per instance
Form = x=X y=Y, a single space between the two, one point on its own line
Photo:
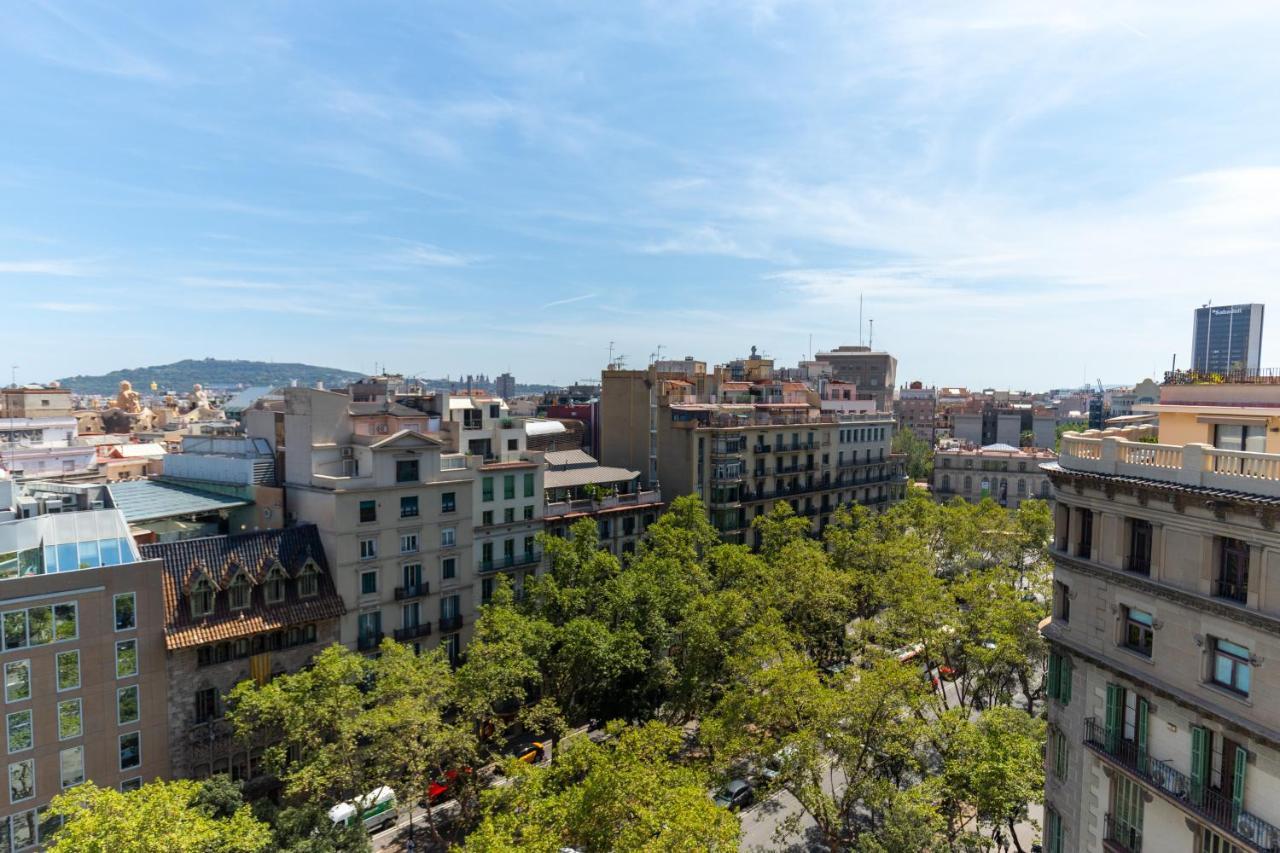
x=807 y=654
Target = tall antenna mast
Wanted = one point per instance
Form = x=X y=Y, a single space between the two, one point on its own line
x=872 y=333
x=859 y=319
x=610 y=354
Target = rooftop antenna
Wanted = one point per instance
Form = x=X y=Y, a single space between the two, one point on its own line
x=659 y=358
x=610 y=354
x=859 y=319
x=872 y=335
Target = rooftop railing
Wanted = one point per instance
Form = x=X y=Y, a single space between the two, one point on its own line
x=1200 y=465
x=642 y=498
x=1238 y=376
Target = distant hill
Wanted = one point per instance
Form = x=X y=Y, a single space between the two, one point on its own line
x=210 y=372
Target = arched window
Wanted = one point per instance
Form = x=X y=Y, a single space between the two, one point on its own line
x=274 y=587
x=308 y=581
x=238 y=593
x=201 y=598
x=968 y=484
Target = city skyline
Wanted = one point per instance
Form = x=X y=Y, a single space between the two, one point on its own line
x=514 y=190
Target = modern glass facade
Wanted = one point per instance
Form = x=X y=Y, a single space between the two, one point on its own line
x=65 y=542
x=1227 y=337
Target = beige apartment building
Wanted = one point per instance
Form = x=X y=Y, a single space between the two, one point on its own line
x=578 y=487
x=743 y=448
x=1007 y=475
x=874 y=373
x=393 y=506
x=1163 y=679
x=85 y=693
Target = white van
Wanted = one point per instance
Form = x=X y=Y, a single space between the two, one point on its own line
x=376 y=810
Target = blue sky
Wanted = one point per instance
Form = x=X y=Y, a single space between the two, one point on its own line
x=1025 y=195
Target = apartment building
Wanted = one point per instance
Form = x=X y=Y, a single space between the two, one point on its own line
x=508 y=502
x=85 y=693
x=874 y=373
x=578 y=487
x=393 y=506
x=249 y=606
x=742 y=449
x=916 y=409
x=1165 y=635
x=1007 y=475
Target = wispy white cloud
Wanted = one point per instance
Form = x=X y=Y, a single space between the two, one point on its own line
x=45 y=267
x=568 y=301
x=71 y=307
x=711 y=240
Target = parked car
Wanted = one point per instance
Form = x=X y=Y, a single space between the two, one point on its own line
x=440 y=789
x=532 y=754
x=773 y=764
x=376 y=810
x=738 y=794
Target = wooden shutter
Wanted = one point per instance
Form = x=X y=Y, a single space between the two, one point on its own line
x=1115 y=708
x=1237 y=781
x=1142 y=734
x=1051 y=687
x=1199 y=752
x=1064 y=681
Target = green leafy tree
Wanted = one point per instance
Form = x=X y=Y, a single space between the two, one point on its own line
x=629 y=794
x=918 y=452
x=159 y=817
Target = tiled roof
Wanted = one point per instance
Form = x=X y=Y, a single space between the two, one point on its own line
x=583 y=476
x=220 y=558
x=147 y=500
x=569 y=459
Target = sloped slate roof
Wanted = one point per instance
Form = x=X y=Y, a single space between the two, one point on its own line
x=569 y=458
x=147 y=500
x=582 y=476
x=220 y=558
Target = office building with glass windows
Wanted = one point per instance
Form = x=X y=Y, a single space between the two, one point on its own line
x=83 y=655
x=1227 y=338
x=1163 y=675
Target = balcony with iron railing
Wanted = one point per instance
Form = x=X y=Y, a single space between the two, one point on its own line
x=404 y=593
x=646 y=498
x=1235 y=376
x=510 y=561
x=369 y=642
x=1195 y=798
x=1115 y=452
x=1120 y=835
x=412 y=632
x=450 y=623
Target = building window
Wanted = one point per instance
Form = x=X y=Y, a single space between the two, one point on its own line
x=126 y=658
x=1058 y=745
x=21 y=828
x=127 y=707
x=409 y=543
x=486 y=489
x=1231 y=666
x=448 y=502
x=368 y=549
x=239 y=592
x=369 y=582
x=528 y=512
x=528 y=546
x=70 y=719
x=1233 y=570
x=67 y=665
x=486 y=518
x=130 y=750
x=528 y=485
x=22 y=780
x=71 y=763
x=201 y=598
x=1237 y=437
x=308 y=582
x=206 y=704
x=449 y=566
x=409 y=506
x=1138 y=633
x=486 y=554
x=126 y=606
x=1140 y=538
x=486 y=590
x=368 y=511
x=629 y=525
x=1058 y=678
x=274 y=587
x=447 y=537
x=18 y=729
x=131 y=784
x=406 y=470
x=17 y=680
x=508 y=486
x=968 y=484
x=1084 y=546
x=508 y=515
x=1062 y=598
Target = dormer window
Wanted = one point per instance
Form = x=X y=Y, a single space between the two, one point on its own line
x=308 y=581
x=201 y=598
x=239 y=592
x=274 y=587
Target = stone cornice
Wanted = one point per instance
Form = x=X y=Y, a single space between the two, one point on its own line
x=1200 y=706
x=1192 y=600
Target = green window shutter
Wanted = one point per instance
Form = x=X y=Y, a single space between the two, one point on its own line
x=1115 y=707
x=1064 y=681
x=1143 y=707
x=528 y=485
x=1237 y=782
x=1051 y=679
x=486 y=489
x=1199 y=752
